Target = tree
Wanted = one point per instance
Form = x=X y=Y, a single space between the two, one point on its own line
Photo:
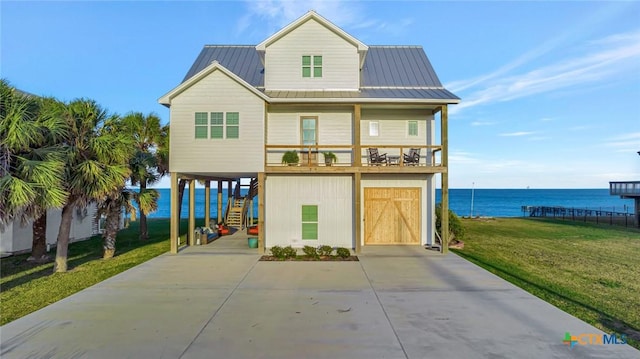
x=149 y=161
x=31 y=162
x=96 y=164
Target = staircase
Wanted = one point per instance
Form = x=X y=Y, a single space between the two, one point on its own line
x=235 y=215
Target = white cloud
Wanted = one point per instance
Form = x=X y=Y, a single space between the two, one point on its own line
x=483 y=123
x=628 y=142
x=602 y=60
x=517 y=134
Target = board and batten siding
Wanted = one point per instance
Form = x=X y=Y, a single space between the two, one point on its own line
x=283 y=60
x=334 y=128
x=393 y=129
x=217 y=93
x=427 y=202
x=284 y=198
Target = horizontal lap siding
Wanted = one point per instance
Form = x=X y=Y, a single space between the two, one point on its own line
x=217 y=93
x=334 y=128
x=284 y=197
x=283 y=60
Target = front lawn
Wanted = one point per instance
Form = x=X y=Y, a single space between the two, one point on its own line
x=589 y=271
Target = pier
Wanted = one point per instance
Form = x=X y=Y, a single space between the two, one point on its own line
x=580 y=214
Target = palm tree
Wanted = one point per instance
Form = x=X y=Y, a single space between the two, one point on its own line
x=96 y=164
x=31 y=162
x=112 y=208
x=148 y=164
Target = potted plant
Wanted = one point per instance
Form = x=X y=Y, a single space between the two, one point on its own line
x=329 y=158
x=290 y=158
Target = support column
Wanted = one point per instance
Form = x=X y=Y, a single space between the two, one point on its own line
x=357 y=207
x=219 y=201
x=636 y=201
x=192 y=212
x=357 y=151
x=207 y=204
x=174 y=229
x=444 y=114
x=261 y=211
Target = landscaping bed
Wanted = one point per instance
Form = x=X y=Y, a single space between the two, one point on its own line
x=311 y=254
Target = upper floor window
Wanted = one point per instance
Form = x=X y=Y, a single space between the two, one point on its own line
x=308 y=129
x=374 y=128
x=311 y=66
x=214 y=127
x=412 y=128
x=201 y=124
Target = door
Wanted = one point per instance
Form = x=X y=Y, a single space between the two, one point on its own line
x=391 y=215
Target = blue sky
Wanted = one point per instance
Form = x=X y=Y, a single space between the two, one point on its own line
x=550 y=90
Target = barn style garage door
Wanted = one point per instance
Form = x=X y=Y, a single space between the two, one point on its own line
x=391 y=215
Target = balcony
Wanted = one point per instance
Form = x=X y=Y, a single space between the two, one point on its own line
x=350 y=158
x=625 y=189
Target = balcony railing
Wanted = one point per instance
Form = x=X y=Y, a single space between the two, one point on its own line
x=627 y=188
x=350 y=156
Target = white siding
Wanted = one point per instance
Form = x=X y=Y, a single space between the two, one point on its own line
x=283 y=60
x=425 y=182
x=393 y=129
x=284 y=198
x=334 y=128
x=18 y=237
x=217 y=93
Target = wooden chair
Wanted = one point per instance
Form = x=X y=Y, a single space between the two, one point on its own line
x=375 y=158
x=412 y=158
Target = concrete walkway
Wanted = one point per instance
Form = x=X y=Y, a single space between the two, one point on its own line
x=219 y=301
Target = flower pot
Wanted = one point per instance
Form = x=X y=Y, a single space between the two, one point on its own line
x=253 y=242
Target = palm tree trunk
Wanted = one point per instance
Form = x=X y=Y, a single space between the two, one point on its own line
x=39 y=242
x=111 y=231
x=144 y=235
x=63 y=238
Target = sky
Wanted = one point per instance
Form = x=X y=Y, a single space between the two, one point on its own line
x=550 y=90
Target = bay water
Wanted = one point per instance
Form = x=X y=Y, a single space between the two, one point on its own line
x=486 y=202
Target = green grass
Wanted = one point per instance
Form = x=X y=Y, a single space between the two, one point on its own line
x=589 y=271
x=27 y=287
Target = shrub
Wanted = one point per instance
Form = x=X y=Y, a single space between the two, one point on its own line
x=343 y=252
x=456 y=229
x=290 y=157
x=289 y=252
x=325 y=250
x=277 y=252
x=310 y=252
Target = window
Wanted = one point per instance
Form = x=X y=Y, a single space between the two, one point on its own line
x=217 y=125
x=374 y=128
x=309 y=222
x=233 y=125
x=201 y=124
x=311 y=68
x=308 y=128
x=413 y=128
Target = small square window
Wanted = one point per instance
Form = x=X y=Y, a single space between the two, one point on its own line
x=311 y=69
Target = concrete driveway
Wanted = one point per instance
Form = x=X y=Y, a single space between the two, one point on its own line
x=219 y=301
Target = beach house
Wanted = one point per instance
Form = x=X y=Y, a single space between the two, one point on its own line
x=343 y=142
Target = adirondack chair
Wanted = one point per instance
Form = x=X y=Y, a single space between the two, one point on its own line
x=412 y=158
x=375 y=158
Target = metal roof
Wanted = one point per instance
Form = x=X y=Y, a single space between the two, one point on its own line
x=396 y=72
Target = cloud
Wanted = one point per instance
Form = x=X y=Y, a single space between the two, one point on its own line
x=601 y=60
x=628 y=142
x=483 y=123
x=517 y=134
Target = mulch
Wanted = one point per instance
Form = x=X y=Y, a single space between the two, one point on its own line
x=310 y=259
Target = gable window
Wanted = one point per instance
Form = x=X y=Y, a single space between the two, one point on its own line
x=201 y=124
x=233 y=125
x=309 y=222
x=217 y=125
x=311 y=66
x=374 y=128
x=412 y=128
